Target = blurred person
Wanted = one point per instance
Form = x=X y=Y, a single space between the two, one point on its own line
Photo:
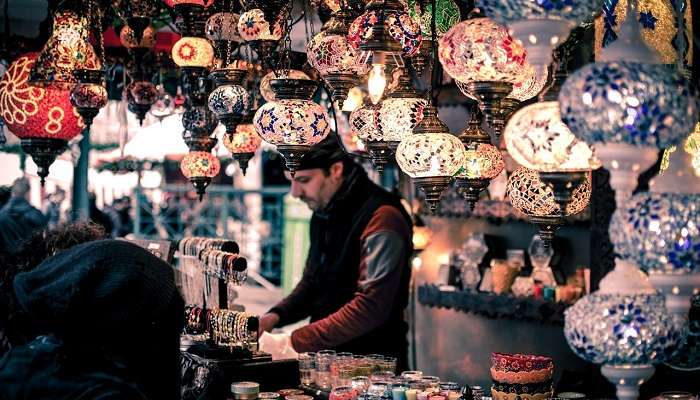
x=119 y=215
x=98 y=217
x=355 y=283
x=53 y=209
x=5 y=193
x=39 y=247
x=18 y=218
x=106 y=318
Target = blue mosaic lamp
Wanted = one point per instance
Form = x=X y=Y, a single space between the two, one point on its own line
x=624 y=326
x=540 y=25
x=628 y=106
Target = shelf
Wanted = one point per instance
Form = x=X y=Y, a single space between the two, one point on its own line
x=492 y=305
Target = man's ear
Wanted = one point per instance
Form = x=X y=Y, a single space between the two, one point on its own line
x=337 y=169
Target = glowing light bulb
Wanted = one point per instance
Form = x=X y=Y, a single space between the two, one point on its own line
x=376 y=82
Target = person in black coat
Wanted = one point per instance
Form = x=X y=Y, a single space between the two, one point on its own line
x=18 y=218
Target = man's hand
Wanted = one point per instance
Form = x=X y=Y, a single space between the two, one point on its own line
x=267 y=322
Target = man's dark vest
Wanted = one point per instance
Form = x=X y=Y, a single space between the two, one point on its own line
x=334 y=257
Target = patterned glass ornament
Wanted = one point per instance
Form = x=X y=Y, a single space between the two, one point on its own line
x=530 y=85
x=35 y=112
x=193 y=52
x=658 y=27
x=266 y=90
x=608 y=328
x=529 y=195
x=199 y=120
x=632 y=103
x=142 y=92
x=479 y=50
x=446 y=16
x=330 y=54
x=398 y=117
x=229 y=99
x=404 y=30
x=223 y=26
x=365 y=122
x=67 y=49
x=200 y=164
x=292 y=122
x=536 y=138
x=659 y=231
x=481 y=161
x=253 y=26
x=245 y=140
x=430 y=154
x=128 y=38
x=89 y=95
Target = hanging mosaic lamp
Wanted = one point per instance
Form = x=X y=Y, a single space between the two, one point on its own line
x=628 y=107
x=385 y=33
x=266 y=89
x=199 y=167
x=127 y=37
x=332 y=55
x=529 y=195
x=229 y=100
x=199 y=123
x=263 y=30
x=365 y=122
x=482 y=161
x=292 y=122
x=243 y=144
x=540 y=26
x=193 y=52
x=447 y=16
x=222 y=30
x=481 y=54
x=431 y=156
x=67 y=49
x=41 y=117
x=89 y=95
x=140 y=96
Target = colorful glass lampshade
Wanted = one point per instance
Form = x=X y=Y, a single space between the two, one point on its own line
x=266 y=90
x=482 y=163
x=365 y=121
x=293 y=122
x=223 y=26
x=128 y=39
x=229 y=101
x=482 y=55
x=447 y=15
x=539 y=26
x=624 y=326
x=199 y=167
x=243 y=144
x=140 y=96
x=529 y=195
x=261 y=32
x=192 y=51
x=199 y=122
x=89 y=95
x=42 y=117
x=67 y=49
x=431 y=159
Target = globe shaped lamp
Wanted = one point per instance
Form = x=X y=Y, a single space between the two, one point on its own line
x=193 y=52
x=337 y=62
x=89 y=95
x=293 y=122
x=140 y=96
x=67 y=49
x=431 y=157
x=199 y=124
x=624 y=326
x=365 y=122
x=229 y=101
x=384 y=33
x=127 y=37
x=529 y=195
x=482 y=161
x=243 y=144
x=221 y=29
x=263 y=32
x=481 y=54
x=41 y=117
x=447 y=15
x=199 y=167
x=628 y=108
x=539 y=26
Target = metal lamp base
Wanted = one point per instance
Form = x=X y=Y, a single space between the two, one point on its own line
x=380 y=153
x=471 y=188
x=432 y=186
x=627 y=378
x=243 y=159
x=547 y=226
x=340 y=85
x=140 y=110
x=230 y=122
x=292 y=154
x=489 y=94
x=563 y=186
x=200 y=184
x=44 y=152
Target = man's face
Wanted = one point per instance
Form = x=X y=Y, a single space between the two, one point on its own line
x=315 y=187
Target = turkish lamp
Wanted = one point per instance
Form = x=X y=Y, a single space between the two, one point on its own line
x=89 y=95
x=293 y=122
x=199 y=167
x=262 y=31
x=532 y=197
x=628 y=107
x=624 y=326
x=193 y=52
x=140 y=96
x=482 y=162
x=364 y=122
x=67 y=49
x=243 y=144
x=539 y=26
x=229 y=100
x=266 y=89
x=431 y=156
x=199 y=124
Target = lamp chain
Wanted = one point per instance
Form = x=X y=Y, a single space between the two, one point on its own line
x=433 y=48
